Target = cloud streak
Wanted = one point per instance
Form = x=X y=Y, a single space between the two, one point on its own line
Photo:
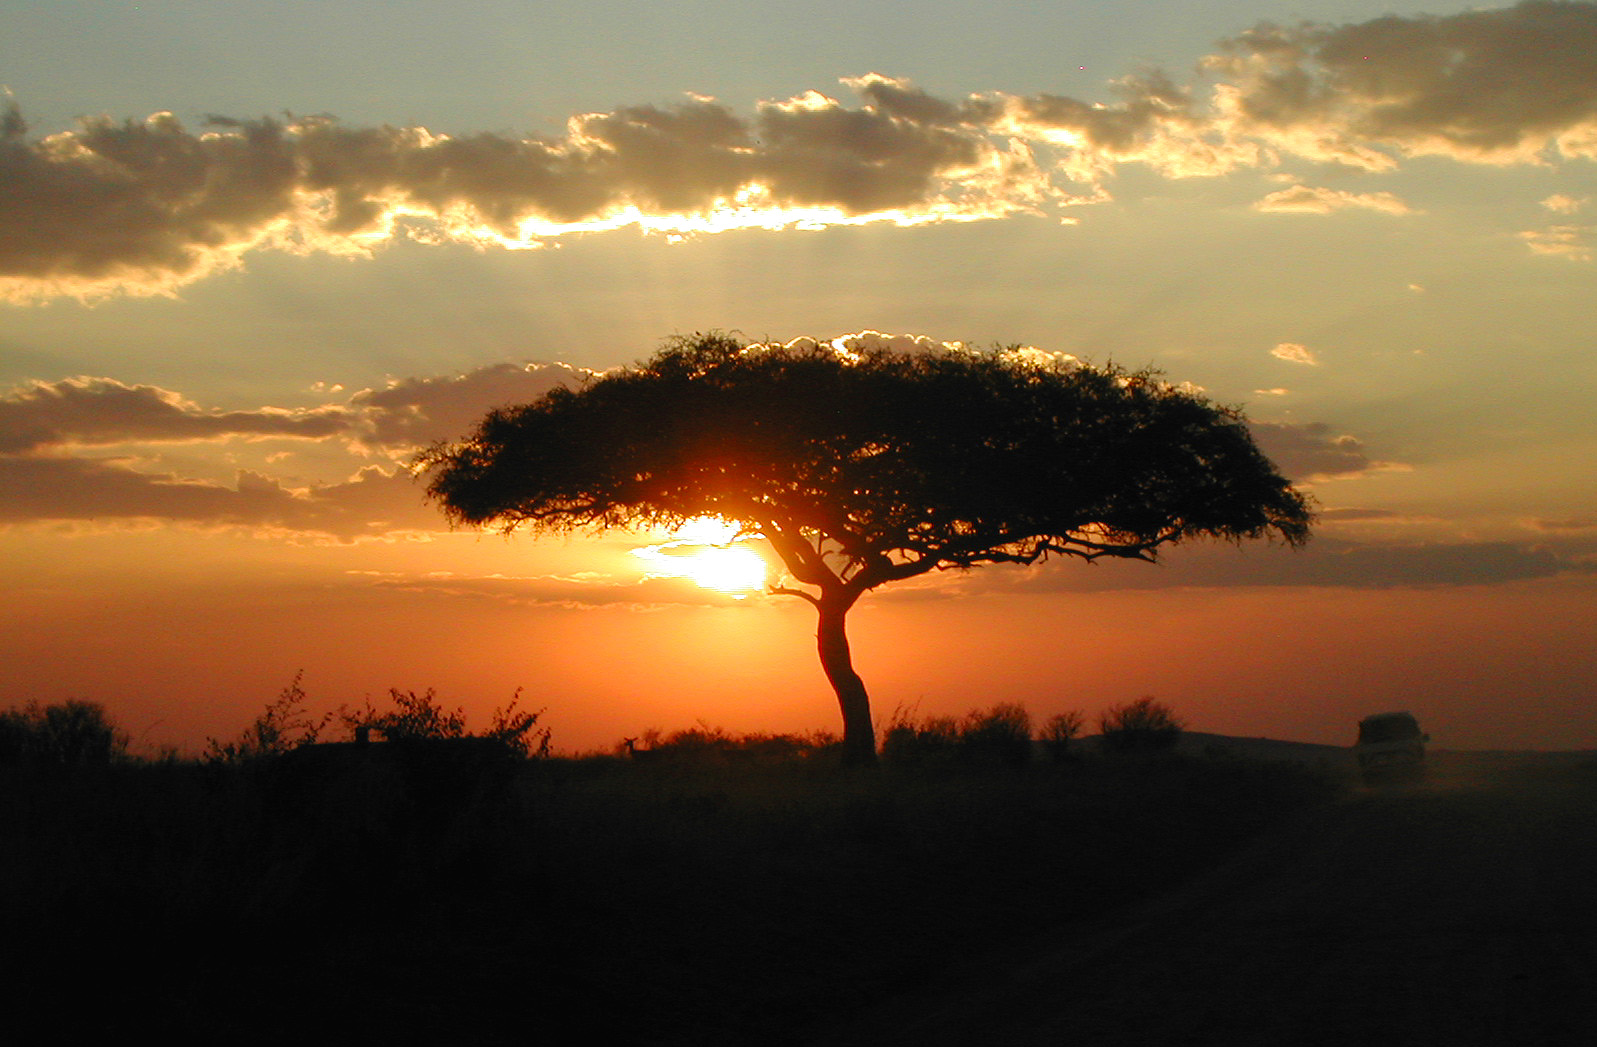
x=89 y=411
x=45 y=428
x=146 y=206
x=1561 y=241
x=1302 y=199
x=405 y=415
x=375 y=503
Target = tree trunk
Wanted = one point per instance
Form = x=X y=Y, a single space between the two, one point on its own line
x=859 y=735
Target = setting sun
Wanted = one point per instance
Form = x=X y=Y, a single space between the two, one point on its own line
x=734 y=569
x=709 y=552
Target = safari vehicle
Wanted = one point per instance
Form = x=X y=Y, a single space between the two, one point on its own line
x=1391 y=748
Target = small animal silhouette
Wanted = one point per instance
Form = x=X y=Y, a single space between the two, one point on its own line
x=642 y=755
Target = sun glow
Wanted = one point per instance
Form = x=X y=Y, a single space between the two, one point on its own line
x=709 y=552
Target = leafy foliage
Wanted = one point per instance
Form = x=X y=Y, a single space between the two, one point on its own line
x=907 y=741
x=1145 y=725
x=73 y=733
x=1059 y=730
x=516 y=729
x=284 y=725
x=415 y=717
x=999 y=736
x=704 y=743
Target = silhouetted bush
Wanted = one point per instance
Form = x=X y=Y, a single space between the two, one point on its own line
x=515 y=728
x=715 y=744
x=281 y=727
x=934 y=739
x=1000 y=735
x=420 y=717
x=1058 y=732
x=1142 y=726
x=414 y=717
x=73 y=733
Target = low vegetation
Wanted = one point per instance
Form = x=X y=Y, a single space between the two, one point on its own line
x=1143 y=726
x=727 y=889
x=71 y=734
x=285 y=725
x=995 y=737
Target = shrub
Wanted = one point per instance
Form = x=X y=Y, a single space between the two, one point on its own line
x=515 y=729
x=907 y=742
x=1058 y=731
x=282 y=726
x=73 y=733
x=415 y=717
x=1145 y=725
x=1000 y=735
x=706 y=744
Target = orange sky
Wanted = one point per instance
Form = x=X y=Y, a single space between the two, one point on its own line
x=1483 y=665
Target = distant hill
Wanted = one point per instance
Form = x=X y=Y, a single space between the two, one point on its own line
x=1199 y=743
x=1261 y=748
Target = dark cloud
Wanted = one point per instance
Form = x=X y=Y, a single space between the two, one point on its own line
x=903 y=100
x=1311 y=452
x=1566 y=525
x=1153 y=121
x=145 y=206
x=41 y=480
x=375 y=503
x=416 y=412
x=408 y=413
x=817 y=153
x=1324 y=562
x=1498 y=85
x=88 y=411
x=1328 y=562
x=137 y=204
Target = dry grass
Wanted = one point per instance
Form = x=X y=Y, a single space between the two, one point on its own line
x=709 y=899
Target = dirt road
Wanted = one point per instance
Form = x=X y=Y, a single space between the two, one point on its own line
x=1459 y=912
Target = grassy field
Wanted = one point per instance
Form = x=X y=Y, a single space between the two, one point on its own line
x=709 y=900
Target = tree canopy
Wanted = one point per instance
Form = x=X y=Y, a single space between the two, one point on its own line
x=867 y=467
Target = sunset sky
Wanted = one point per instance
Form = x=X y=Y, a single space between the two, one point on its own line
x=253 y=256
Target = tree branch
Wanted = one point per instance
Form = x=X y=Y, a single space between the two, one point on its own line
x=782 y=590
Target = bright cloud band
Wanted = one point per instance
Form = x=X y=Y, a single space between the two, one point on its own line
x=142 y=207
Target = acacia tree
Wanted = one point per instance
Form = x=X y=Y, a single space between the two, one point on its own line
x=864 y=468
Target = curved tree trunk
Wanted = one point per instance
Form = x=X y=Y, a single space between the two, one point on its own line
x=859 y=735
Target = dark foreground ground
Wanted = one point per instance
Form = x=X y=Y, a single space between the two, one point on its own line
x=1458 y=912
x=1208 y=899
